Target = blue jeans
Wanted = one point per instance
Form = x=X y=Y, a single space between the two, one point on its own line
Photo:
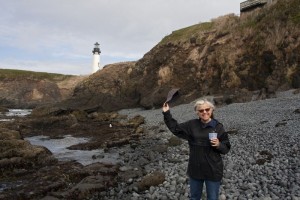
x=212 y=189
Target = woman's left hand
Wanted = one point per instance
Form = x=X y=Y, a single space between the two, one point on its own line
x=215 y=142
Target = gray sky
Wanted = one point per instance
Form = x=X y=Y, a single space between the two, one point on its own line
x=58 y=36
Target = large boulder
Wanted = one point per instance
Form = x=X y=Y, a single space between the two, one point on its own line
x=8 y=134
x=153 y=179
x=16 y=153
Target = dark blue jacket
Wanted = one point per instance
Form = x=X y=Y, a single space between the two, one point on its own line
x=205 y=161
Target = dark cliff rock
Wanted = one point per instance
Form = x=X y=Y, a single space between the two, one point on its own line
x=112 y=88
x=17 y=153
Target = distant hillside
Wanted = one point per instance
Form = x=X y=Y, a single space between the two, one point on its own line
x=16 y=74
x=27 y=89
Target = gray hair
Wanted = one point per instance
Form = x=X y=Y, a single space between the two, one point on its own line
x=204 y=101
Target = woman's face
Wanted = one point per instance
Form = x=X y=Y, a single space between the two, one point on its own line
x=204 y=111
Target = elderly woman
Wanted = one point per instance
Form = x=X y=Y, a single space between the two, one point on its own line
x=205 y=162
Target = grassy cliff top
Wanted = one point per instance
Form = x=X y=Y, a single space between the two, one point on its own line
x=16 y=74
x=187 y=32
x=281 y=12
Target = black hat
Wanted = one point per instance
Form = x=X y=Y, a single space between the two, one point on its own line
x=172 y=95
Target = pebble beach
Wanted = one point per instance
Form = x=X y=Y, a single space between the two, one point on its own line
x=263 y=163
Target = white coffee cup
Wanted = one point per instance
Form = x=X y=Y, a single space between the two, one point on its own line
x=212 y=135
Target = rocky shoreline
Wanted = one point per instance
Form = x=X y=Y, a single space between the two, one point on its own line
x=263 y=163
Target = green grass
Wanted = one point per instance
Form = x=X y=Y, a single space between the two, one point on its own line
x=296 y=18
x=186 y=33
x=12 y=73
x=248 y=24
x=284 y=11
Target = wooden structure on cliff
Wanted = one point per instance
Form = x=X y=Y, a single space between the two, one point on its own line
x=250 y=5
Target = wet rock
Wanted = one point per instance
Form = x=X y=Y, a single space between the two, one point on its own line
x=89 y=185
x=100 y=168
x=80 y=115
x=152 y=179
x=139 y=130
x=63 y=180
x=160 y=148
x=297 y=111
x=50 y=111
x=174 y=141
x=49 y=198
x=283 y=123
x=107 y=116
x=297 y=91
x=263 y=157
x=20 y=153
x=7 y=134
x=130 y=173
x=3 y=110
x=232 y=132
x=136 y=121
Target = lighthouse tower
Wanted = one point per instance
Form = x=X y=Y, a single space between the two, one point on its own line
x=96 y=57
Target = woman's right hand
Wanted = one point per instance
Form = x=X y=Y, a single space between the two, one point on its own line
x=165 y=107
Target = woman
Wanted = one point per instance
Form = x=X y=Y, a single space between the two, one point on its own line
x=205 y=161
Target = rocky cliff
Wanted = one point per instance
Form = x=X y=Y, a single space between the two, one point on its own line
x=25 y=89
x=236 y=58
x=232 y=58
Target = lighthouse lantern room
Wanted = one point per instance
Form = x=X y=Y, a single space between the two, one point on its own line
x=96 y=57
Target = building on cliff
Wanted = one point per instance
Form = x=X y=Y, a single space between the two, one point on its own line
x=250 y=5
x=96 y=58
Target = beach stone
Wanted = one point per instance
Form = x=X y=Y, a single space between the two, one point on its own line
x=153 y=179
x=222 y=197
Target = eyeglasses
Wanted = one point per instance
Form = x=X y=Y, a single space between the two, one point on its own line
x=202 y=110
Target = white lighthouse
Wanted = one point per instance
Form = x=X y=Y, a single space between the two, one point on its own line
x=96 y=57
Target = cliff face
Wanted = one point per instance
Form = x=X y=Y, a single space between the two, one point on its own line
x=230 y=56
x=109 y=89
x=23 y=89
x=28 y=93
x=233 y=58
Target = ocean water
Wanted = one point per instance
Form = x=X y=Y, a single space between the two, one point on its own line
x=59 y=146
x=59 y=149
x=18 y=112
x=9 y=116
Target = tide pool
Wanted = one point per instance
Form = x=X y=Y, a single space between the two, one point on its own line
x=59 y=149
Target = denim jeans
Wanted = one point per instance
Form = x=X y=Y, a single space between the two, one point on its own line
x=212 y=189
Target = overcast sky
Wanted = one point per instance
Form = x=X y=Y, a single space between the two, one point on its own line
x=58 y=36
